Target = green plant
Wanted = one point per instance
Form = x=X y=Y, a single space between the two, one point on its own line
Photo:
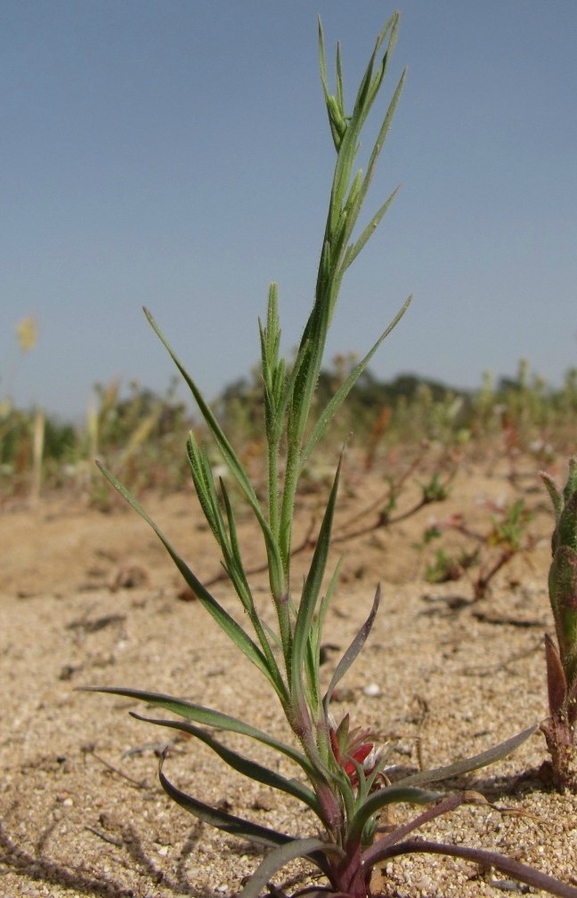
x=344 y=769
x=445 y=568
x=493 y=549
x=559 y=729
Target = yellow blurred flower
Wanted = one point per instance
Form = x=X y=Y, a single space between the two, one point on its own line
x=27 y=332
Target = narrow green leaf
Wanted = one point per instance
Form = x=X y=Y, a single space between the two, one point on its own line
x=307 y=366
x=236 y=571
x=311 y=594
x=222 y=442
x=554 y=493
x=314 y=643
x=311 y=849
x=448 y=804
x=571 y=485
x=566 y=530
x=209 y=717
x=363 y=98
x=369 y=86
x=353 y=650
x=353 y=250
x=235 y=826
x=241 y=764
x=337 y=400
x=337 y=122
x=231 y=550
x=348 y=149
x=296 y=418
x=337 y=224
x=273 y=368
x=206 y=491
x=232 y=461
x=354 y=193
x=497 y=753
x=227 y=623
x=388 y=795
x=340 y=88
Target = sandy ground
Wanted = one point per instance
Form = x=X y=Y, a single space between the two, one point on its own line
x=89 y=598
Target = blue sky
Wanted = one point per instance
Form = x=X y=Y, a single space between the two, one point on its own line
x=175 y=154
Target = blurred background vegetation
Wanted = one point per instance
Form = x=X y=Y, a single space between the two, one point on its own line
x=141 y=434
x=407 y=440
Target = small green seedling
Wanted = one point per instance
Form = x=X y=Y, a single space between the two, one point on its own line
x=491 y=550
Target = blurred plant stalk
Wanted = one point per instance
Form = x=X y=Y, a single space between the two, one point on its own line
x=559 y=728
